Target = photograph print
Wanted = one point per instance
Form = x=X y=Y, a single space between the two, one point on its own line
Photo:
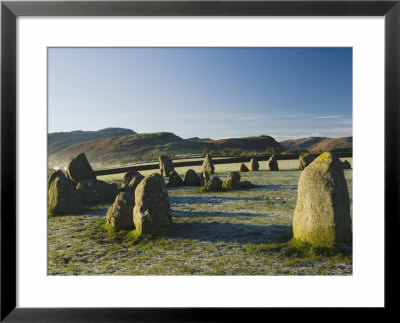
x=199 y=161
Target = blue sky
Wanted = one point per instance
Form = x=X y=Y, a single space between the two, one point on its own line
x=202 y=92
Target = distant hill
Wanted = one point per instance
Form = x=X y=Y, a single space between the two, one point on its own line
x=132 y=148
x=319 y=144
x=60 y=140
x=258 y=143
x=127 y=149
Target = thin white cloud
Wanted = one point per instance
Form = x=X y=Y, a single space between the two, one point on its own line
x=328 y=117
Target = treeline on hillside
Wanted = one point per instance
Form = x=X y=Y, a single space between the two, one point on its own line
x=233 y=152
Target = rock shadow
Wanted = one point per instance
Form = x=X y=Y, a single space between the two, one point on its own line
x=278 y=187
x=233 y=232
x=193 y=214
x=215 y=199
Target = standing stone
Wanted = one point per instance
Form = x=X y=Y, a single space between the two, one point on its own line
x=175 y=180
x=305 y=159
x=79 y=168
x=166 y=166
x=213 y=185
x=53 y=176
x=232 y=181
x=152 y=214
x=191 y=178
x=128 y=178
x=63 y=197
x=119 y=215
x=208 y=165
x=204 y=178
x=322 y=214
x=253 y=166
x=346 y=165
x=273 y=163
x=95 y=192
x=243 y=168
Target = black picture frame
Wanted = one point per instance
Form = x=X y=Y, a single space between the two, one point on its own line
x=10 y=10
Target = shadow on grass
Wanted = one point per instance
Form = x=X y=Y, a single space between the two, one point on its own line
x=194 y=214
x=233 y=232
x=277 y=187
x=214 y=199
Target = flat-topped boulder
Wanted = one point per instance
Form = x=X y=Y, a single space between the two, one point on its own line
x=322 y=214
x=191 y=178
x=63 y=198
x=253 y=165
x=208 y=165
x=152 y=214
x=273 y=164
x=120 y=213
x=243 y=168
x=79 y=168
x=166 y=165
x=94 y=191
x=305 y=159
x=175 y=180
x=232 y=181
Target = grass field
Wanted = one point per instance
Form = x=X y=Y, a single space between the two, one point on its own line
x=242 y=232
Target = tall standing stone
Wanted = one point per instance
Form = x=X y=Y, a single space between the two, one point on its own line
x=152 y=214
x=253 y=166
x=208 y=165
x=120 y=214
x=79 y=168
x=63 y=198
x=322 y=214
x=166 y=166
x=273 y=164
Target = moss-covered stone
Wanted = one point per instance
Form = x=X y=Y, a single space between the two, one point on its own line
x=63 y=197
x=322 y=214
x=232 y=181
x=213 y=185
x=120 y=213
x=152 y=213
